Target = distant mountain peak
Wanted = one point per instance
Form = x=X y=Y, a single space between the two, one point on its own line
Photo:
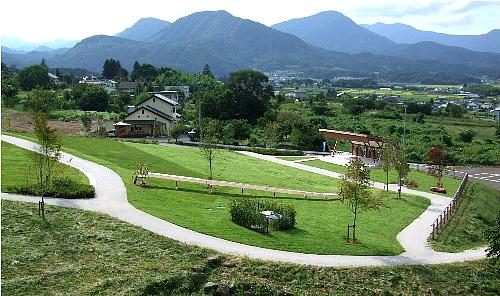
x=143 y=29
x=335 y=31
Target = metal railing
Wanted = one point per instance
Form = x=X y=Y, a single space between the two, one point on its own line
x=444 y=217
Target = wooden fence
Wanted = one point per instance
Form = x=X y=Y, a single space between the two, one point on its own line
x=242 y=186
x=444 y=217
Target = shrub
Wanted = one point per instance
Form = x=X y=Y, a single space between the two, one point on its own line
x=276 y=152
x=466 y=136
x=62 y=187
x=247 y=213
x=411 y=184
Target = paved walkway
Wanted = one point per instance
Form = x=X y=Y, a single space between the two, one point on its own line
x=111 y=199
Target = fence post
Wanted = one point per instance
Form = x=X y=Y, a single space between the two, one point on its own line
x=433 y=229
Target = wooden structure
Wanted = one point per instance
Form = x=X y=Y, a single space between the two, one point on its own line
x=362 y=145
x=243 y=186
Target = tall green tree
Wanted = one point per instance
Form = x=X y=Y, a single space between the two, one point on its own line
x=401 y=166
x=387 y=161
x=211 y=135
x=90 y=97
x=251 y=93
x=112 y=68
x=40 y=100
x=34 y=76
x=355 y=191
x=207 y=71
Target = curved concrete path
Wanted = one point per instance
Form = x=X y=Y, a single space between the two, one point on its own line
x=111 y=199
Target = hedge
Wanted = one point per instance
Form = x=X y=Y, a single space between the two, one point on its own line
x=247 y=213
x=63 y=187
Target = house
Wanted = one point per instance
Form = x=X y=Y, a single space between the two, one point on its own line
x=496 y=114
x=130 y=87
x=54 y=78
x=154 y=116
x=108 y=84
x=298 y=94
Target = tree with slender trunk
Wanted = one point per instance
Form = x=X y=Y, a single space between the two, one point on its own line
x=211 y=136
x=355 y=191
x=401 y=166
x=387 y=161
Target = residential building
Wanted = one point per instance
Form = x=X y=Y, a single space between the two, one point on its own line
x=154 y=115
x=298 y=94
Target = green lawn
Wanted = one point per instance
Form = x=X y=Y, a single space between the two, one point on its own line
x=321 y=225
x=479 y=207
x=83 y=253
x=424 y=180
x=15 y=165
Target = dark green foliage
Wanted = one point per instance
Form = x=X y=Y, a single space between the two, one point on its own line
x=39 y=100
x=247 y=212
x=276 y=152
x=90 y=97
x=493 y=237
x=10 y=87
x=415 y=108
x=34 y=76
x=456 y=111
x=466 y=136
x=483 y=89
x=207 y=71
x=112 y=69
x=360 y=105
x=251 y=92
x=61 y=187
x=144 y=72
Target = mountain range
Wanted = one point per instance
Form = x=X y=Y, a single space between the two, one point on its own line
x=325 y=45
x=401 y=33
x=20 y=46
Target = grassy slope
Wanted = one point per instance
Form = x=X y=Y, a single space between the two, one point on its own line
x=193 y=208
x=15 y=162
x=84 y=253
x=424 y=180
x=478 y=210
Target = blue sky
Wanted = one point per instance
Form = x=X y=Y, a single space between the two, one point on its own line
x=35 y=20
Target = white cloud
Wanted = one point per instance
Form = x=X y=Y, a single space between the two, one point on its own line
x=36 y=20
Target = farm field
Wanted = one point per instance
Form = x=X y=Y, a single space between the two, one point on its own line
x=194 y=208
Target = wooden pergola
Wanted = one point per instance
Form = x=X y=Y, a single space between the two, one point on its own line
x=362 y=145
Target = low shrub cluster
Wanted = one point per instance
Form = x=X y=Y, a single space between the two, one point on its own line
x=276 y=152
x=247 y=212
x=62 y=187
x=75 y=115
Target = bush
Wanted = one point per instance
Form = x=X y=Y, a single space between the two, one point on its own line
x=466 y=136
x=276 y=152
x=62 y=187
x=247 y=213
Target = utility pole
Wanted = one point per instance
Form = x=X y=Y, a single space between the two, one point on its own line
x=199 y=119
x=404 y=128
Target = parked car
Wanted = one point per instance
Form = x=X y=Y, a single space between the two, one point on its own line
x=112 y=133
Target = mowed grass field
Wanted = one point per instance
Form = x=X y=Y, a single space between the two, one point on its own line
x=76 y=252
x=423 y=180
x=16 y=167
x=321 y=225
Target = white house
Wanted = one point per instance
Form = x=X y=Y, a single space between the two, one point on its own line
x=496 y=114
x=159 y=111
x=298 y=94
